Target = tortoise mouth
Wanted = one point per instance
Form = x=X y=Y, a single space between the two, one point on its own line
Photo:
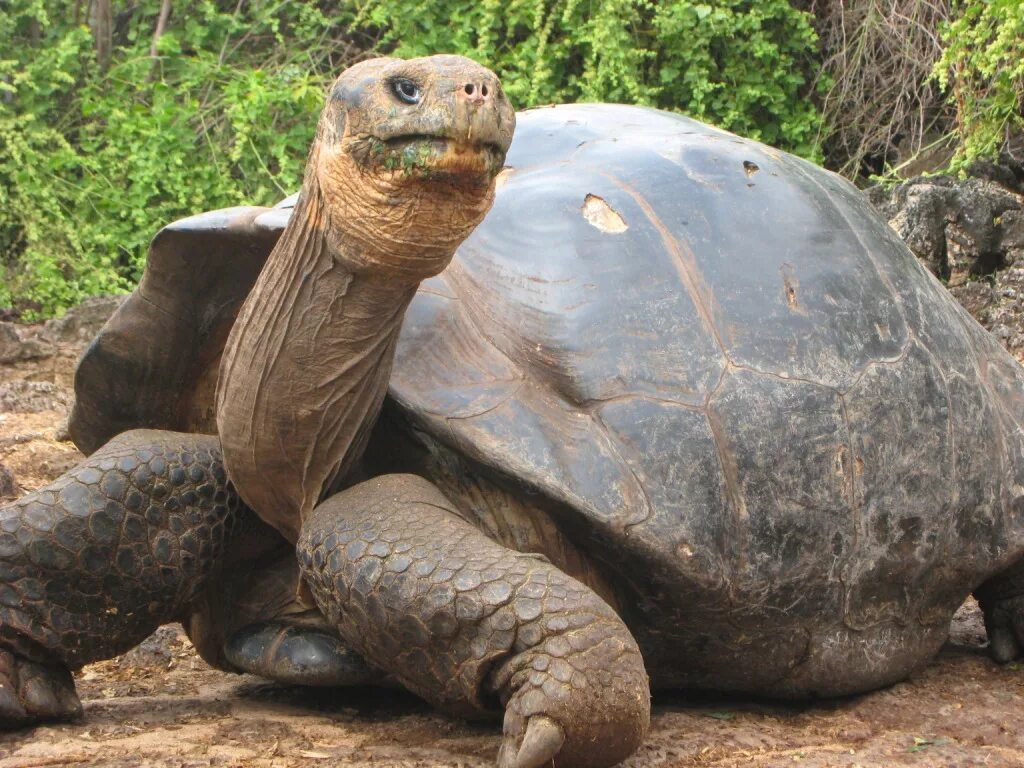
x=441 y=158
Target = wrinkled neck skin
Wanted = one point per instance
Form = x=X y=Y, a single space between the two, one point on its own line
x=389 y=224
x=307 y=364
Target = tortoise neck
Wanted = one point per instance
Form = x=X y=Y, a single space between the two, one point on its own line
x=305 y=370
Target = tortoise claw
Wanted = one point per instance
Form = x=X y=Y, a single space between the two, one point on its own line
x=542 y=741
x=32 y=692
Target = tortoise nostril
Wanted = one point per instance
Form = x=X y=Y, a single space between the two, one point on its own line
x=475 y=93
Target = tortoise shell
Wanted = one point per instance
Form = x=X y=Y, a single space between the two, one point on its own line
x=154 y=363
x=743 y=392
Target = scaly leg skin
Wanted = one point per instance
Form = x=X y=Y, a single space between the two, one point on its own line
x=1002 y=601
x=94 y=562
x=470 y=625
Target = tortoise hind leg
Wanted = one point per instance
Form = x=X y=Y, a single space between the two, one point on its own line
x=472 y=626
x=251 y=619
x=297 y=655
x=1002 y=601
x=94 y=562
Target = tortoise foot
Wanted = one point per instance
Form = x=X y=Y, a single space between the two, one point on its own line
x=297 y=656
x=1004 y=623
x=31 y=692
x=581 y=693
x=1002 y=601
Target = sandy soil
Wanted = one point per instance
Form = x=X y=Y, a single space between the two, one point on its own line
x=160 y=705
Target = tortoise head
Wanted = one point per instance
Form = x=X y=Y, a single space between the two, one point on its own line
x=405 y=160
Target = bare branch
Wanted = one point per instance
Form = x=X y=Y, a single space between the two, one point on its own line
x=161 y=25
x=882 y=106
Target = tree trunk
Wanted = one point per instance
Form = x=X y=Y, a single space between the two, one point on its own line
x=103 y=32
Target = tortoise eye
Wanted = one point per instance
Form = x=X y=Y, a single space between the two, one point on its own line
x=406 y=90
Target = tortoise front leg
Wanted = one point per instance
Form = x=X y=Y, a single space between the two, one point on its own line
x=93 y=563
x=470 y=625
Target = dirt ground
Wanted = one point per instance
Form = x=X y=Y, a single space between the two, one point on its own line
x=159 y=705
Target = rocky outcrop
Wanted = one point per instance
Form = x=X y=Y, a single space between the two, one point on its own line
x=970 y=233
x=76 y=328
x=8 y=485
x=19 y=343
x=20 y=396
x=37 y=362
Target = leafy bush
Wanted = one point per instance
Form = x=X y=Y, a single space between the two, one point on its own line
x=93 y=162
x=745 y=65
x=982 y=71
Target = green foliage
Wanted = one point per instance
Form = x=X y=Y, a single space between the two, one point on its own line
x=982 y=72
x=93 y=163
x=740 y=64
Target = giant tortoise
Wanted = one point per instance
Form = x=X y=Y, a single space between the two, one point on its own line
x=682 y=412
